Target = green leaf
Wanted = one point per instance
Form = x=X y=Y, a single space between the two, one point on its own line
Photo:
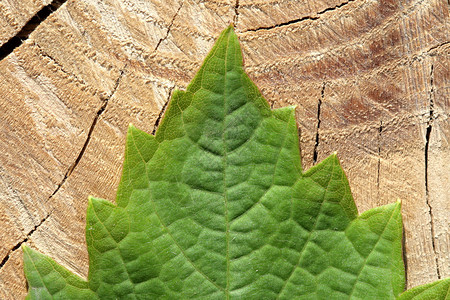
x=436 y=290
x=216 y=206
x=48 y=280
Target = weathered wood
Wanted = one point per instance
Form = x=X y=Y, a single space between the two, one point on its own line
x=14 y=14
x=370 y=78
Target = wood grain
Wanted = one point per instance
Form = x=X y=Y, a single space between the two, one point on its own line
x=14 y=14
x=370 y=79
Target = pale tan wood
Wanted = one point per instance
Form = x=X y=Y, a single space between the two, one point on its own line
x=14 y=14
x=439 y=157
x=378 y=68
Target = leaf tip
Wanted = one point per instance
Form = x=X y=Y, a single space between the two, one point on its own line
x=231 y=27
x=91 y=200
x=94 y=202
x=399 y=205
x=290 y=108
x=333 y=157
x=25 y=248
x=229 y=31
x=131 y=129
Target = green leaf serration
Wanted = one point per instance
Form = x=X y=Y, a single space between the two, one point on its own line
x=216 y=206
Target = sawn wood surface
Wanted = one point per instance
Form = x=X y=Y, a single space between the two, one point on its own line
x=370 y=79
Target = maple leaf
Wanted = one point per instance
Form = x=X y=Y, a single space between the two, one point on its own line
x=216 y=206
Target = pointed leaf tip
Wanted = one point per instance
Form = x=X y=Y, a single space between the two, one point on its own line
x=438 y=290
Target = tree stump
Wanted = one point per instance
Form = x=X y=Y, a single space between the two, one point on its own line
x=370 y=80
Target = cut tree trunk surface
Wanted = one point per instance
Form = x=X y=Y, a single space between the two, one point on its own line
x=370 y=79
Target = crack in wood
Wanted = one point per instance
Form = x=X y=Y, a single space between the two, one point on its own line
x=169 y=27
x=236 y=13
x=163 y=109
x=427 y=144
x=91 y=130
x=27 y=237
x=380 y=129
x=437 y=46
x=73 y=77
x=17 y=40
x=404 y=256
x=8 y=187
x=305 y=18
x=426 y=53
x=319 y=104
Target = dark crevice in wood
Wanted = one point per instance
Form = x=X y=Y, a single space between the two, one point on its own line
x=405 y=257
x=437 y=46
x=319 y=104
x=310 y=18
x=14 y=193
x=272 y=104
x=91 y=129
x=236 y=13
x=17 y=40
x=427 y=145
x=27 y=237
x=163 y=110
x=380 y=130
x=43 y=53
x=428 y=52
x=168 y=28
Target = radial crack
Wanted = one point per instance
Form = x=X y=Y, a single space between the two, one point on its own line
x=405 y=257
x=295 y=21
x=427 y=144
x=17 y=40
x=438 y=46
x=236 y=13
x=169 y=27
x=380 y=130
x=27 y=237
x=43 y=53
x=91 y=129
x=319 y=104
x=163 y=109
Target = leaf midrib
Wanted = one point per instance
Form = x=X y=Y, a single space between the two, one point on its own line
x=307 y=240
x=373 y=249
x=168 y=231
x=225 y=194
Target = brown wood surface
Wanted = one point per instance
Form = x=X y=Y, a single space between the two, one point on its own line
x=14 y=14
x=370 y=79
